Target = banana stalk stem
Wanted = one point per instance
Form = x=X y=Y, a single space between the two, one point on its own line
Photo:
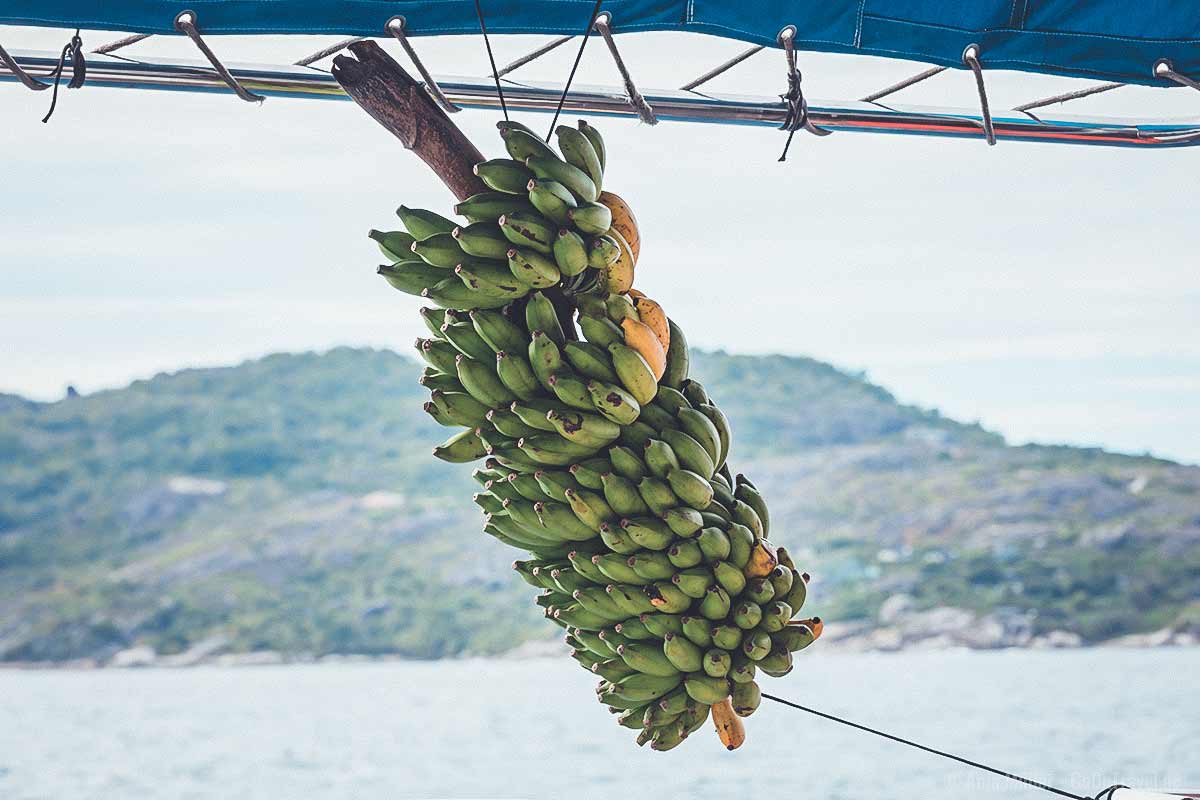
x=399 y=103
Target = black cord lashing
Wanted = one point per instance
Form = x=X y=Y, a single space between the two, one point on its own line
x=1106 y=794
x=587 y=32
x=797 y=106
x=74 y=52
x=491 y=58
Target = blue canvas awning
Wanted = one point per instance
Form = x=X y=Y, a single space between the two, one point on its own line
x=1116 y=40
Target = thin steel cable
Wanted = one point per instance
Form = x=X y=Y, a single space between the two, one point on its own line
x=1075 y=95
x=491 y=58
x=24 y=77
x=538 y=53
x=644 y=111
x=587 y=33
x=312 y=58
x=728 y=65
x=112 y=47
x=1163 y=69
x=395 y=27
x=971 y=59
x=185 y=23
x=942 y=753
x=904 y=84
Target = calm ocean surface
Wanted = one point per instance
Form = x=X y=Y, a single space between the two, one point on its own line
x=530 y=729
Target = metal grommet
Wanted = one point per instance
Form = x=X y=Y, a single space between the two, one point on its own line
x=786 y=34
x=1162 y=67
x=395 y=23
x=603 y=20
x=183 y=19
x=970 y=53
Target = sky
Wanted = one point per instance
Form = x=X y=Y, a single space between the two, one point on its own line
x=1049 y=292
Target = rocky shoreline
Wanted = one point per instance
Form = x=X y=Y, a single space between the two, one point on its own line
x=899 y=628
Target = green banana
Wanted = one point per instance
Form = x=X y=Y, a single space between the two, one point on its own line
x=618 y=541
x=681 y=653
x=776 y=663
x=743 y=670
x=647 y=659
x=671 y=400
x=532 y=268
x=776 y=616
x=657 y=495
x=613 y=402
x=453 y=293
x=523 y=143
x=572 y=177
x=695 y=583
x=746 y=698
x=684 y=554
x=482 y=383
x=622 y=495
x=583 y=564
x=589 y=507
x=636 y=434
x=661 y=461
x=756 y=645
x=422 y=224
x=677 y=358
x=440 y=355
x=747 y=615
x=743 y=514
x=726 y=637
x=683 y=521
x=602 y=252
x=540 y=315
x=634 y=628
x=797 y=594
x=721 y=423
x=691 y=454
x=717 y=663
x=504 y=175
x=412 y=276
x=590 y=430
x=544 y=357
x=690 y=486
x=395 y=245
x=590 y=360
x=528 y=487
x=435 y=380
x=597 y=141
x=560 y=518
x=694 y=391
x=662 y=624
x=601 y=331
x=498 y=331
x=706 y=689
x=552 y=199
x=651 y=565
x=434 y=319
x=715 y=604
x=491 y=279
x=591 y=218
x=615 y=567
x=648 y=532
x=643 y=688
x=750 y=496
x=517 y=375
x=571 y=390
x=488 y=206
x=741 y=542
x=701 y=428
x=730 y=578
x=481 y=240
x=460 y=448
x=698 y=630
x=715 y=544
x=794 y=637
x=578 y=150
x=570 y=252
x=759 y=590
x=463 y=336
x=781 y=579
x=532 y=230
x=657 y=418
x=533 y=412
x=630 y=598
x=555 y=483
x=626 y=463
x=439 y=250
x=635 y=374
x=667 y=598
x=460 y=408
x=589 y=472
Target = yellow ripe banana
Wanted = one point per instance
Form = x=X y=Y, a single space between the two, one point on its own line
x=762 y=561
x=618 y=276
x=729 y=725
x=641 y=337
x=652 y=314
x=623 y=221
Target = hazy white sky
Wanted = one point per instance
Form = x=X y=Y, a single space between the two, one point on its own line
x=1050 y=292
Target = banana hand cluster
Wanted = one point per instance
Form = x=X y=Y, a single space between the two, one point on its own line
x=603 y=459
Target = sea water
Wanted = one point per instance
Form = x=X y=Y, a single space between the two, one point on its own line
x=1081 y=720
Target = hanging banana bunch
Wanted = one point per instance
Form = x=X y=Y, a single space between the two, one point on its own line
x=604 y=460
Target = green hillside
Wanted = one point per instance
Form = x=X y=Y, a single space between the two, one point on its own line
x=291 y=504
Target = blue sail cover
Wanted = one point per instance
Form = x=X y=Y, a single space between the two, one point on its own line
x=1118 y=40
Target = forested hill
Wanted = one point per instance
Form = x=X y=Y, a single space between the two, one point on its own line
x=290 y=504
